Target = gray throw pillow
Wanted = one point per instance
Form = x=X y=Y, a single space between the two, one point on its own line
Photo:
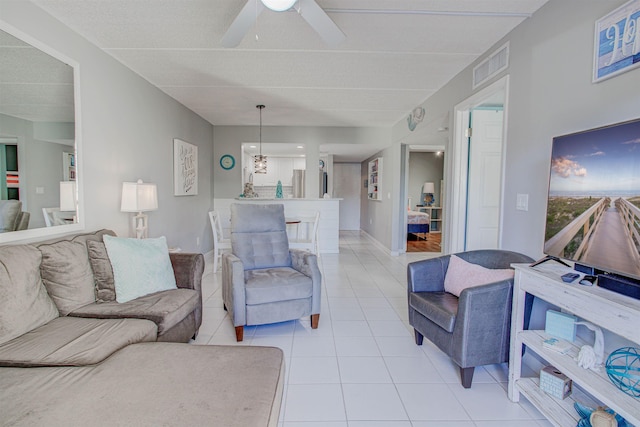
x=24 y=303
x=67 y=275
x=102 y=271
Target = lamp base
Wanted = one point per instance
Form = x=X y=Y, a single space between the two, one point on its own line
x=139 y=223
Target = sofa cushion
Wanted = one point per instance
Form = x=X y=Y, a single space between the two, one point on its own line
x=165 y=308
x=24 y=303
x=67 y=275
x=151 y=384
x=461 y=275
x=140 y=266
x=102 y=272
x=69 y=341
x=439 y=307
x=276 y=284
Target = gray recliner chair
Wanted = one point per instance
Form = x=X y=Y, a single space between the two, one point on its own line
x=12 y=217
x=262 y=280
x=473 y=330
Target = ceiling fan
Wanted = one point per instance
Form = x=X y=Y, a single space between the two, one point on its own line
x=308 y=9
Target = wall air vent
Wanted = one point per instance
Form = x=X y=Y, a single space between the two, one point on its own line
x=491 y=66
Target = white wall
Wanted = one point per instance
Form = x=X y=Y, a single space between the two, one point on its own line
x=347 y=186
x=127 y=129
x=550 y=94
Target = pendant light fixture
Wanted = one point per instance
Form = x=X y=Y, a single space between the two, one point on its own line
x=260 y=161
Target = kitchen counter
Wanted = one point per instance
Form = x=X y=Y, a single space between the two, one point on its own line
x=273 y=199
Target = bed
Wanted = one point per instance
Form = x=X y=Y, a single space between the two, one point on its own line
x=417 y=222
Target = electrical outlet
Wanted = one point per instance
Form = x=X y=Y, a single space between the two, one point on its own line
x=39 y=190
x=197 y=241
x=370 y=221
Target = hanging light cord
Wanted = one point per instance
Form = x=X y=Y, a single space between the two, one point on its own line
x=260 y=107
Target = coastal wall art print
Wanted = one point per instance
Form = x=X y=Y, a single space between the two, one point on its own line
x=617 y=41
x=185 y=168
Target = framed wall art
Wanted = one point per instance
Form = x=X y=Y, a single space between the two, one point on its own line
x=617 y=42
x=185 y=168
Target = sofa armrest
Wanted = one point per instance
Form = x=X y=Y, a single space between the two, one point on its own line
x=233 y=292
x=188 y=269
x=483 y=324
x=307 y=263
x=427 y=275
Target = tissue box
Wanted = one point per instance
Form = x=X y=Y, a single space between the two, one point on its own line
x=555 y=383
x=561 y=325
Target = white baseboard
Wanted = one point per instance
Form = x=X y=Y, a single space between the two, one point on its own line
x=378 y=244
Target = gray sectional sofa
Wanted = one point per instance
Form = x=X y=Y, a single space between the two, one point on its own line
x=71 y=355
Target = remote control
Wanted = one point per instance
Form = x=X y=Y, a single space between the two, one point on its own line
x=570 y=277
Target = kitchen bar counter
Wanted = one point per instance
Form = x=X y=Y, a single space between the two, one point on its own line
x=328 y=227
x=273 y=199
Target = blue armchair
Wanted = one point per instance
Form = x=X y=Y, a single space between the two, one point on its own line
x=263 y=281
x=473 y=329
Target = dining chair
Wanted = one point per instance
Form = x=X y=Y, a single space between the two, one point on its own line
x=219 y=242
x=310 y=240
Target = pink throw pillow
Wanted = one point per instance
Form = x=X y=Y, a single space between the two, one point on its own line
x=462 y=275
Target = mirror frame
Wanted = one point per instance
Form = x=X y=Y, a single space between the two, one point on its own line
x=35 y=234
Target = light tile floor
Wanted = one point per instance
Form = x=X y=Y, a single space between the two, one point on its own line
x=361 y=367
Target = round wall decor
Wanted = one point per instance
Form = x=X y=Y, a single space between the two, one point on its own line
x=227 y=162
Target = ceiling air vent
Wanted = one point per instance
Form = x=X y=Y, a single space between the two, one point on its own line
x=492 y=65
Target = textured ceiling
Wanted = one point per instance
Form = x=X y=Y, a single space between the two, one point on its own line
x=389 y=63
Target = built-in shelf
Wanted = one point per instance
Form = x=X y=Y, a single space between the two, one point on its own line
x=375 y=179
x=614 y=312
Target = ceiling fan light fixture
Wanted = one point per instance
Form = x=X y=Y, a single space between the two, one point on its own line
x=279 y=5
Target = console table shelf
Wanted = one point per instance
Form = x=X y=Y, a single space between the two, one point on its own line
x=616 y=313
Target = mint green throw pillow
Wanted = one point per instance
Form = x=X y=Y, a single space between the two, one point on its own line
x=140 y=266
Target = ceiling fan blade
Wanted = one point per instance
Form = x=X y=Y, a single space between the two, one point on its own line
x=320 y=21
x=243 y=22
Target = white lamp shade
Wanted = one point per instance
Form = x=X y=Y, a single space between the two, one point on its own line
x=428 y=188
x=139 y=197
x=68 y=196
x=279 y=5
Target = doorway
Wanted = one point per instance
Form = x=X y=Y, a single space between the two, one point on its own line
x=425 y=194
x=477 y=165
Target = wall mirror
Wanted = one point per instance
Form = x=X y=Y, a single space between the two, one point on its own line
x=40 y=179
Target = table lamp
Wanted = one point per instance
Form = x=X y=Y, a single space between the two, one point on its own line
x=428 y=188
x=68 y=197
x=139 y=197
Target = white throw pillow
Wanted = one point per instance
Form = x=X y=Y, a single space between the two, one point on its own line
x=462 y=275
x=140 y=266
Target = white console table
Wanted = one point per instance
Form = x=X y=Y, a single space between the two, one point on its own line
x=617 y=313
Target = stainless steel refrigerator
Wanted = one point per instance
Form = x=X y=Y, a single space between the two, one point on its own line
x=298 y=183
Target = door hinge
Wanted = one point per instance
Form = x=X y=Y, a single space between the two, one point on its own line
x=468 y=132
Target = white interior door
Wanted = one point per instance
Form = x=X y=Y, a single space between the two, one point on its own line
x=484 y=179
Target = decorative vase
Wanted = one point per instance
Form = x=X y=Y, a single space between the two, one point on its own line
x=279 y=190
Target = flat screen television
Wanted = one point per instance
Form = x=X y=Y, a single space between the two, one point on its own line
x=593 y=208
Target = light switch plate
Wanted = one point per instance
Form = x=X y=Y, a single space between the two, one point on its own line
x=522 y=202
